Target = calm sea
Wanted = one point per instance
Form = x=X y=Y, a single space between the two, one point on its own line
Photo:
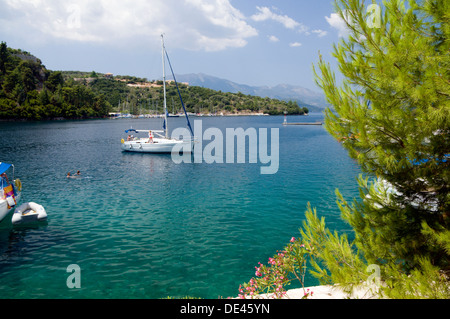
x=141 y=226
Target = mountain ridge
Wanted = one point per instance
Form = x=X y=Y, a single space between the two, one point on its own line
x=287 y=92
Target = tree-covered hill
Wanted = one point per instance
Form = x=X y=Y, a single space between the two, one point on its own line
x=148 y=98
x=28 y=90
x=128 y=94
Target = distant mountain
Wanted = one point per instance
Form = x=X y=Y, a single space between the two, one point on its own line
x=304 y=97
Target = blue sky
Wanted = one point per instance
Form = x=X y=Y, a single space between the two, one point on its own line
x=254 y=42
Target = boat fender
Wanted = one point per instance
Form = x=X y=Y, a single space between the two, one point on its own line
x=18 y=184
x=11 y=201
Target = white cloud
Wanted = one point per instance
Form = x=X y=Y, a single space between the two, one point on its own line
x=338 y=23
x=295 y=44
x=320 y=33
x=273 y=38
x=191 y=24
x=266 y=14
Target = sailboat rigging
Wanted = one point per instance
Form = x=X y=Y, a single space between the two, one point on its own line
x=158 y=141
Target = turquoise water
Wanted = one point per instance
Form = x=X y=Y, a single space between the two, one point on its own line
x=140 y=226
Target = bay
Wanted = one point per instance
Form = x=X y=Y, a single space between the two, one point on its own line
x=141 y=226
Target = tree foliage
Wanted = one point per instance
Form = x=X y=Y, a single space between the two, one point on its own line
x=29 y=91
x=392 y=114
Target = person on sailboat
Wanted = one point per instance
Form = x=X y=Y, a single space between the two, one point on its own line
x=150 y=137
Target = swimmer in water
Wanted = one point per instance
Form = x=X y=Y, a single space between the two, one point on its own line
x=77 y=175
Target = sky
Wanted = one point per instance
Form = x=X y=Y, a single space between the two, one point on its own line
x=253 y=42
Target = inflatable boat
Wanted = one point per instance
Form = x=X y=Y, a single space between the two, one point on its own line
x=28 y=213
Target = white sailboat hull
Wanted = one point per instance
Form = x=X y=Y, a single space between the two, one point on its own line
x=159 y=145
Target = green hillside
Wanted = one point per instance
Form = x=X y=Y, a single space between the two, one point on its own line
x=128 y=94
x=148 y=98
x=28 y=90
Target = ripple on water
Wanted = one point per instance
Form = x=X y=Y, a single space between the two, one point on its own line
x=140 y=226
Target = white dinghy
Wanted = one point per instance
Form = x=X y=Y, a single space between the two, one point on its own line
x=29 y=213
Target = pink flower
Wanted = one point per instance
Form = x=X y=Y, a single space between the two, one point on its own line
x=292 y=239
x=258 y=273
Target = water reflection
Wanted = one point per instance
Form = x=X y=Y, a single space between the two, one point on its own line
x=13 y=240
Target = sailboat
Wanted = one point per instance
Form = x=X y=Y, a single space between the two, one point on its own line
x=158 y=141
x=10 y=190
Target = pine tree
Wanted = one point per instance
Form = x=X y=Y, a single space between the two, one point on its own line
x=3 y=58
x=392 y=114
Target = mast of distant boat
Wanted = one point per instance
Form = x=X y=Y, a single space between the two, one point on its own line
x=164 y=85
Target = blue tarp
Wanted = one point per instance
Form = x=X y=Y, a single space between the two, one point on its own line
x=426 y=160
x=4 y=167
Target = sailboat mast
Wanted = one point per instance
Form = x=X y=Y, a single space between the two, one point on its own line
x=164 y=85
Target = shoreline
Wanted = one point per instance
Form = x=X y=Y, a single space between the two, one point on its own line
x=363 y=291
x=222 y=114
x=58 y=119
